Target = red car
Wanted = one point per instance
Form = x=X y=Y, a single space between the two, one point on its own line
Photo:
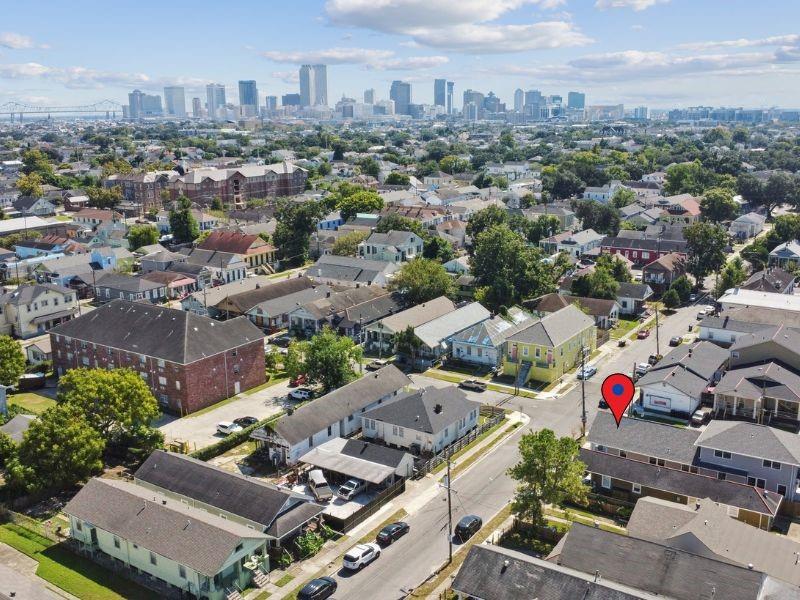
x=643 y=333
x=299 y=380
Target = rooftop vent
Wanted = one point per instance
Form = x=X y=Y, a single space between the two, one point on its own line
x=437 y=409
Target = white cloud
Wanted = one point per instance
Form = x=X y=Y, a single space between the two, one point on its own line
x=411 y=63
x=458 y=25
x=15 y=41
x=775 y=40
x=331 y=56
x=287 y=76
x=636 y=5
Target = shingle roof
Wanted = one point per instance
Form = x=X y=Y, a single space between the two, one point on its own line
x=682 y=483
x=555 y=328
x=644 y=437
x=391 y=238
x=189 y=536
x=750 y=439
x=491 y=332
x=17 y=426
x=773 y=279
x=173 y=335
x=269 y=290
x=553 y=302
x=211 y=258
x=429 y=410
x=315 y=416
x=417 y=315
x=637 y=291
x=234 y=242
x=346 y=268
x=756 y=381
x=371 y=462
x=338 y=302
x=434 y=332
x=688 y=368
x=127 y=283
x=645 y=244
x=25 y=294
x=787 y=337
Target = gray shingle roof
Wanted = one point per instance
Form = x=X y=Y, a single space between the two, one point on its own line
x=315 y=416
x=347 y=268
x=756 y=381
x=418 y=315
x=173 y=335
x=25 y=294
x=189 y=536
x=270 y=290
x=637 y=291
x=491 y=332
x=440 y=329
x=750 y=439
x=688 y=368
x=555 y=328
x=418 y=411
x=644 y=437
x=126 y=283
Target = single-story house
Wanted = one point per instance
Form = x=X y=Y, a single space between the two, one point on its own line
x=381 y=333
x=632 y=296
x=436 y=335
x=747 y=226
x=605 y=312
x=482 y=344
x=785 y=254
x=375 y=464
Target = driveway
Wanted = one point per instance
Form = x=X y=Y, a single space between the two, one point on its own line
x=200 y=429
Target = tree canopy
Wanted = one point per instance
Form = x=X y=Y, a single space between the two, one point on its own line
x=717 y=205
x=327 y=359
x=142 y=235
x=182 y=223
x=296 y=222
x=347 y=244
x=12 y=360
x=705 y=249
x=421 y=280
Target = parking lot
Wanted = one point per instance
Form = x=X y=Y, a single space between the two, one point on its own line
x=200 y=429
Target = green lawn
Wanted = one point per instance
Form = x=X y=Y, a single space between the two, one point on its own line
x=623 y=328
x=284 y=580
x=72 y=573
x=31 y=402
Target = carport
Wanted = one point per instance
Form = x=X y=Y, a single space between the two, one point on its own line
x=333 y=458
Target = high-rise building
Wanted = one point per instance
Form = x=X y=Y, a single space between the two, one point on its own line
x=369 y=96
x=314 y=85
x=215 y=101
x=519 y=100
x=450 y=86
x=476 y=98
x=440 y=92
x=175 y=100
x=533 y=98
x=135 y=104
x=143 y=105
x=576 y=100
x=640 y=113
x=248 y=98
x=271 y=103
x=197 y=108
x=291 y=100
x=400 y=92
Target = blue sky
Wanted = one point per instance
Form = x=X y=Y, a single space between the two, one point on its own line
x=660 y=53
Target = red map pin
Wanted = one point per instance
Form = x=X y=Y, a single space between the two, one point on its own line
x=618 y=391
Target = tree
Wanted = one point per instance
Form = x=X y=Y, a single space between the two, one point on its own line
x=182 y=223
x=36 y=161
x=142 y=235
x=30 y=185
x=548 y=472
x=12 y=360
x=58 y=450
x=597 y=284
x=705 y=249
x=112 y=401
x=757 y=254
x=216 y=203
x=395 y=222
x=486 y=218
x=294 y=362
x=617 y=267
x=683 y=287
x=684 y=178
x=623 y=197
x=452 y=164
x=717 y=205
x=563 y=184
x=731 y=276
x=397 y=178
x=438 y=249
x=104 y=198
x=421 y=280
x=296 y=222
x=408 y=343
x=351 y=199
x=327 y=359
x=8 y=449
x=347 y=245
x=671 y=299
x=603 y=218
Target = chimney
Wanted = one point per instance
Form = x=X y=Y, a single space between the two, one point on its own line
x=505 y=566
x=437 y=408
x=327 y=294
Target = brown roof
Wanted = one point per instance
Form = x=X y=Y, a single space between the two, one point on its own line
x=234 y=242
x=550 y=303
x=97 y=213
x=244 y=301
x=669 y=262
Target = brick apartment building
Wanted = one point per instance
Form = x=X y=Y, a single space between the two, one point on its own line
x=235 y=186
x=140 y=191
x=188 y=361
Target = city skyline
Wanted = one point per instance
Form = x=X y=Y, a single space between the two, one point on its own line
x=662 y=53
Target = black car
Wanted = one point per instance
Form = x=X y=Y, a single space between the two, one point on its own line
x=675 y=340
x=602 y=403
x=317 y=589
x=392 y=532
x=245 y=421
x=282 y=341
x=467 y=527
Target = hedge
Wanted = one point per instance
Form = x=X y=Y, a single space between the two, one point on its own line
x=232 y=440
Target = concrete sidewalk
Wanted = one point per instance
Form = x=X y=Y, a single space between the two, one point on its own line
x=18 y=578
x=418 y=493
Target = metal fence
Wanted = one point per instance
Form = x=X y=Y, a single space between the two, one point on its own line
x=422 y=468
x=346 y=524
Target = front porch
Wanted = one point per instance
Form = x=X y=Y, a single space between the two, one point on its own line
x=765 y=410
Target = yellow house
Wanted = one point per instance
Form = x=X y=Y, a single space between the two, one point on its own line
x=549 y=347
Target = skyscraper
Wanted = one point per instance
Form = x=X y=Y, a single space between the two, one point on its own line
x=369 y=96
x=248 y=98
x=143 y=105
x=471 y=97
x=271 y=103
x=197 y=108
x=400 y=92
x=576 y=100
x=175 y=101
x=314 y=85
x=519 y=100
x=135 y=104
x=215 y=100
x=291 y=100
x=440 y=92
x=450 y=86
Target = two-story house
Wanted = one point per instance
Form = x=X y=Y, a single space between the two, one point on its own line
x=392 y=246
x=575 y=244
x=661 y=272
x=251 y=248
x=31 y=310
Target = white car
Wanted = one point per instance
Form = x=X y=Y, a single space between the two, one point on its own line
x=351 y=488
x=360 y=556
x=643 y=368
x=227 y=427
x=301 y=394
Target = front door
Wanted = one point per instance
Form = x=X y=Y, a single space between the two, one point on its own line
x=237 y=387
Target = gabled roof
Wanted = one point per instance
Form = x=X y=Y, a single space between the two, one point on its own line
x=418 y=315
x=492 y=332
x=688 y=368
x=637 y=291
x=264 y=291
x=373 y=463
x=750 y=439
x=668 y=262
x=234 y=242
x=25 y=294
x=127 y=283
x=429 y=410
x=436 y=331
x=337 y=303
x=165 y=526
x=756 y=381
x=555 y=328
x=786 y=337
x=173 y=335
x=549 y=303
x=347 y=268
x=211 y=258
x=391 y=238
x=773 y=279
x=644 y=437
x=315 y=416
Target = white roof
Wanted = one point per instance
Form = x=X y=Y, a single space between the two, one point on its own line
x=742 y=297
x=435 y=332
x=20 y=223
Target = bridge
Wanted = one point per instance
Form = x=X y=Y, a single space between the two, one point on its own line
x=109 y=108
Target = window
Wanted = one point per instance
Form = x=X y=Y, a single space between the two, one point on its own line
x=660 y=462
x=721 y=476
x=525 y=351
x=605 y=481
x=85 y=361
x=652 y=460
x=401 y=432
x=235 y=368
x=637 y=488
x=78 y=525
x=721 y=454
x=235 y=352
x=310 y=441
x=153 y=560
x=538 y=353
x=161 y=363
x=177 y=385
x=330 y=429
x=239 y=548
x=781 y=489
x=771 y=464
x=733 y=511
x=182 y=571
x=623 y=454
x=116 y=542
x=162 y=381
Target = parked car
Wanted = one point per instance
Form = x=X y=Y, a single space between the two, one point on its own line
x=351 y=488
x=228 y=427
x=282 y=341
x=301 y=394
x=319 y=485
x=643 y=333
x=622 y=342
x=602 y=403
x=710 y=309
x=299 y=380
x=701 y=416
x=675 y=340
x=654 y=358
x=360 y=556
x=642 y=368
x=473 y=384
x=245 y=421
x=318 y=589
x=467 y=527
x=587 y=372
x=692 y=298
x=377 y=364
x=392 y=532
x=637 y=410
x=701 y=314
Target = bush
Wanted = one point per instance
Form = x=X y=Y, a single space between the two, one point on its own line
x=231 y=441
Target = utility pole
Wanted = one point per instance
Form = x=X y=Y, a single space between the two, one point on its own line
x=449 y=513
x=584 y=349
x=658 y=346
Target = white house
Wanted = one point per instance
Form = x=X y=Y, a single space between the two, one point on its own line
x=482 y=343
x=31 y=310
x=782 y=255
x=747 y=226
x=426 y=421
x=575 y=244
x=393 y=246
x=602 y=193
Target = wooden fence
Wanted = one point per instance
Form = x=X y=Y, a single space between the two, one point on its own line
x=346 y=524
